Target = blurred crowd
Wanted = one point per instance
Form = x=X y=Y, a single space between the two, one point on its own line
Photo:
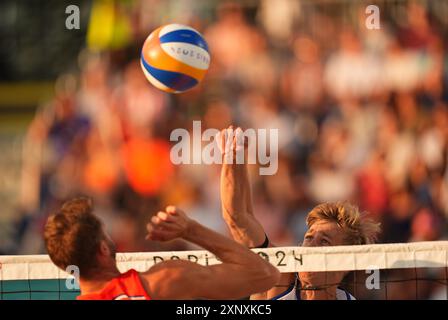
x=362 y=116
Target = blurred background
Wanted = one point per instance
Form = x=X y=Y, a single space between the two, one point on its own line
x=362 y=114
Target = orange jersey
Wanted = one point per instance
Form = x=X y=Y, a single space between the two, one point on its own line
x=127 y=286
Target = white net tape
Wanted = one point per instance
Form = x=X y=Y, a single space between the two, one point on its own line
x=430 y=254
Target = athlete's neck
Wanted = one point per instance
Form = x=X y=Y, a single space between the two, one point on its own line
x=102 y=277
x=324 y=294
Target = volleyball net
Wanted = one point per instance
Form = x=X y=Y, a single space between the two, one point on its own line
x=417 y=270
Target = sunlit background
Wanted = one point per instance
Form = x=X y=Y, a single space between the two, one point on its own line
x=362 y=114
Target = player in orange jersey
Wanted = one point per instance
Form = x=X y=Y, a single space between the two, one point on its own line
x=75 y=236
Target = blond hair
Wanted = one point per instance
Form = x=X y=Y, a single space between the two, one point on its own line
x=358 y=228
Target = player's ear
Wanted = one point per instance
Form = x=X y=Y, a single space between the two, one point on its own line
x=104 y=249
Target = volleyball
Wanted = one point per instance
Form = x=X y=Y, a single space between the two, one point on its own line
x=175 y=58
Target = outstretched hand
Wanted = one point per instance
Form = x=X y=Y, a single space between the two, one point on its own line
x=230 y=141
x=168 y=225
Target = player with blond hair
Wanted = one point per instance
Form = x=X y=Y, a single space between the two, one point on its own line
x=329 y=224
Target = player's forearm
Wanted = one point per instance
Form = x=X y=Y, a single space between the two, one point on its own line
x=250 y=273
x=224 y=248
x=237 y=206
x=233 y=198
x=249 y=233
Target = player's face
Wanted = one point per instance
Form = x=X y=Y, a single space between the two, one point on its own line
x=323 y=233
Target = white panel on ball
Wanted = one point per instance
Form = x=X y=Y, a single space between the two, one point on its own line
x=188 y=53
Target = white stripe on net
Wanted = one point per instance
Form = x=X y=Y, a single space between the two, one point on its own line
x=429 y=254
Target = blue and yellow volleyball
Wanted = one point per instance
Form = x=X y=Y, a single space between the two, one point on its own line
x=175 y=58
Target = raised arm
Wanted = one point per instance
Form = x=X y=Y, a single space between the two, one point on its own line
x=240 y=274
x=236 y=204
x=236 y=198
